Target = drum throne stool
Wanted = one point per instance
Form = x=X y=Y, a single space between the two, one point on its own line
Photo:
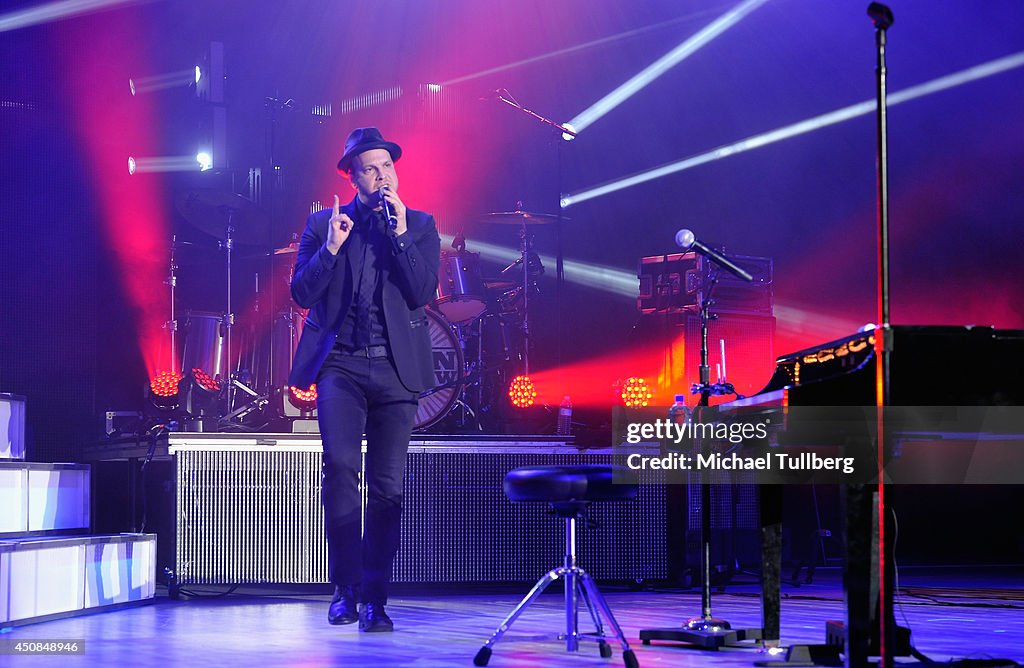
x=569 y=490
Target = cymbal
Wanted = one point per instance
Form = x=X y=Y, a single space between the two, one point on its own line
x=520 y=218
x=209 y=210
x=287 y=250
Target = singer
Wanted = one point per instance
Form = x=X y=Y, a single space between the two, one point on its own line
x=365 y=271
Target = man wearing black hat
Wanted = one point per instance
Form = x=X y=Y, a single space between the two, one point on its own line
x=365 y=271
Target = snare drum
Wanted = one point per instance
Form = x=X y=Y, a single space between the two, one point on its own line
x=460 y=290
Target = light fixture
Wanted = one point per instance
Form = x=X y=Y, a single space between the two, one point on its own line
x=522 y=392
x=565 y=135
x=635 y=393
x=163 y=389
x=303 y=399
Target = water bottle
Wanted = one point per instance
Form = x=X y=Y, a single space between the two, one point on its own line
x=678 y=412
x=565 y=417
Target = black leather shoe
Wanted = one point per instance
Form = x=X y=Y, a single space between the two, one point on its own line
x=373 y=619
x=343 y=608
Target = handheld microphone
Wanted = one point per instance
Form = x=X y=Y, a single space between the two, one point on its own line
x=388 y=213
x=687 y=241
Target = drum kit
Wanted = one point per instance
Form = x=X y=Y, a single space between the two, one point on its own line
x=480 y=329
x=479 y=325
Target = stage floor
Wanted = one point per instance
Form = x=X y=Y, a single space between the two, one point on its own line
x=953 y=613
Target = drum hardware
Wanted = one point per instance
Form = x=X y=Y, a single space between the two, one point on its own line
x=529 y=263
x=230 y=218
x=562 y=134
x=172 y=283
x=520 y=218
x=487 y=319
x=206 y=210
x=460 y=289
x=256 y=402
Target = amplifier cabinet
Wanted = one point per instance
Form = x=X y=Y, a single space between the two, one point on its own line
x=458 y=525
x=248 y=511
x=679 y=282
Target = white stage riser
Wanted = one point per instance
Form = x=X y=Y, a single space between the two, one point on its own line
x=12 y=426
x=43 y=497
x=40 y=577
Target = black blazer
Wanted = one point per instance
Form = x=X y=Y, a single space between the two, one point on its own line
x=323 y=283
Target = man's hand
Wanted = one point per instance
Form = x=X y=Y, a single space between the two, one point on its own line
x=398 y=209
x=339 y=227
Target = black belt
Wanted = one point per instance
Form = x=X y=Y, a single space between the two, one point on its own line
x=373 y=352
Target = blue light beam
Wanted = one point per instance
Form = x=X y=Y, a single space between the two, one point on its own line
x=984 y=70
x=680 y=53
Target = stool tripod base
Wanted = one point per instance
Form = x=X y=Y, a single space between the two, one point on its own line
x=578 y=586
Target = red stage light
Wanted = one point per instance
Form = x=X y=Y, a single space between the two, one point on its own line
x=635 y=393
x=165 y=383
x=305 y=399
x=521 y=392
x=205 y=380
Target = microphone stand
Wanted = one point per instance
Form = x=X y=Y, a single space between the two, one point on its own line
x=880 y=570
x=561 y=129
x=705 y=631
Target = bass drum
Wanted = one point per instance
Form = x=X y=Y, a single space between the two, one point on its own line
x=449 y=372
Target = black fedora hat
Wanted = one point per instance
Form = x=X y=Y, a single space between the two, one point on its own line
x=366 y=139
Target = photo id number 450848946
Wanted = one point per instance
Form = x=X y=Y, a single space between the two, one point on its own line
x=40 y=646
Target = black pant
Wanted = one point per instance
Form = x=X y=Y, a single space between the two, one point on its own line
x=357 y=394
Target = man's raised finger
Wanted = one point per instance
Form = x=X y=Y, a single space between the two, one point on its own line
x=337 y=206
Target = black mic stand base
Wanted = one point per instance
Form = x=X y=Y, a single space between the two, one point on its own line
x=706 y=631
x=702 y=633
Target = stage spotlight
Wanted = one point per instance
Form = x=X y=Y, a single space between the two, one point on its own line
x=304 y=400
x=205 y=381
x=522 y=392
x=199 y=396
x=163 y=389
x=565 y=135
x=157 y=82
x=166 y=163
x=209 y=74
x=635 y=393
x=205 y=161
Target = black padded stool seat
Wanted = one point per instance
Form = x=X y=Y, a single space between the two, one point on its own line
x=569 y=490
x=571 y=484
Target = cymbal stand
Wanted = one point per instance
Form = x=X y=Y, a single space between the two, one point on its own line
x=525 y=244
x=472 y=370
x=172 y=283
x=562 y=131
x=229 y=316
